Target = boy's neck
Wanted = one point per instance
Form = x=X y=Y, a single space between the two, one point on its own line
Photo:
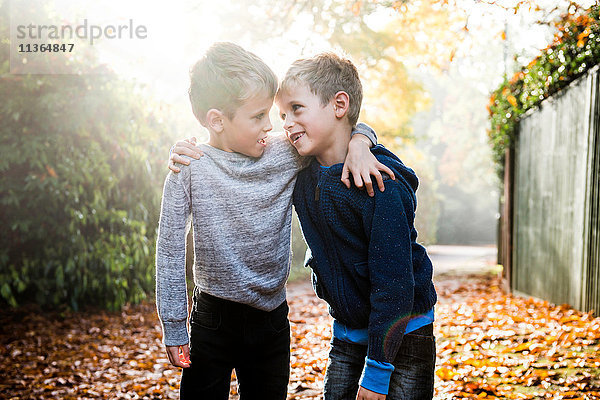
x=336 y=151
x=215 y=140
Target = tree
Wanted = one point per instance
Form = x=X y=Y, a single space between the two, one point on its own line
x=81 y=168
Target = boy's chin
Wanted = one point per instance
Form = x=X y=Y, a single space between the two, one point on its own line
x=258 y=153
x=301 y=150
x=253 y=153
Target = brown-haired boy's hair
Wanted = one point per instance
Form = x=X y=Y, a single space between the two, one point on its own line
x=326 y=74
x=225 y=77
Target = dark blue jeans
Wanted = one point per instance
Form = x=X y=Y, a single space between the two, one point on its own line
x=226 y=335
x=413 y=374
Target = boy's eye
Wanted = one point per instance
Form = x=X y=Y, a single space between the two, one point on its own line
x=260 y=116
x=295 y=107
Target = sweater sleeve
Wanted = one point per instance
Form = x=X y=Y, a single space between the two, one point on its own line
x=171 y=289
x=366 y=130
x=390 y=270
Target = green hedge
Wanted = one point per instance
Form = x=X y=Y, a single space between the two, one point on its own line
x=575 y=49
x=81 y=171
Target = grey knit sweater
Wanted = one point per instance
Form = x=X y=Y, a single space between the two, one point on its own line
x=241 y=209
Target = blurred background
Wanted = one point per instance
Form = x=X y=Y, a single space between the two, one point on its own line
x=84 y=145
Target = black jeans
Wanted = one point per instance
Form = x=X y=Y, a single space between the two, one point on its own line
x=226 y=335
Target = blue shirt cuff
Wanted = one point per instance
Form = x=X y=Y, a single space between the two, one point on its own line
x=376 y=376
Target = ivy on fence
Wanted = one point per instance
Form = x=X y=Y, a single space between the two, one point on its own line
x=575 y=49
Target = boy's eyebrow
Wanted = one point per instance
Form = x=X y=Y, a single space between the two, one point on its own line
x=290 y=101
x=262 y=110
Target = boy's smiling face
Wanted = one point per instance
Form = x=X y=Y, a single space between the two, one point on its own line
x=307 y=123
x=246 y=132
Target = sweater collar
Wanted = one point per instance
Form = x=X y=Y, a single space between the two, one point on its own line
x=334 y=170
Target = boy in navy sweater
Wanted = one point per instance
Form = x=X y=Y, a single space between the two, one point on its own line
x=366 y=261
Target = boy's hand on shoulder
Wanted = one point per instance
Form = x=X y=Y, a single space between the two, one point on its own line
x=361 y=163
x=179 y=356
x=186 y=147
x=366 y=394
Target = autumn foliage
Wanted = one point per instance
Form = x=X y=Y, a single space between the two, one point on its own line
x=490 y=345
x=494 y=345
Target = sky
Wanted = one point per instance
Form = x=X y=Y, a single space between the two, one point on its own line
x=179 y=31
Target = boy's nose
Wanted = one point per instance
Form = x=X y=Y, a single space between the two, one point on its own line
x=269 y=125
x=287 y=123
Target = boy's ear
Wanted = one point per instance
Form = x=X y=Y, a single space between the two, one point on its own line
x=341 y=103
x=214 y=120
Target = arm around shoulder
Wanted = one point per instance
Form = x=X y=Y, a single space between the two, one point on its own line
x=365 y=130
x=361 y=163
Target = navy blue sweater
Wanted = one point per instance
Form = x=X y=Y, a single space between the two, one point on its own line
x=366 y=261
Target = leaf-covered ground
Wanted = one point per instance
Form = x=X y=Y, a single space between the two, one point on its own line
x=493 y=345
x=490 y=345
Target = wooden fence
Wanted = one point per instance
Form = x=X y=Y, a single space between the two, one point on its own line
x=551 y=222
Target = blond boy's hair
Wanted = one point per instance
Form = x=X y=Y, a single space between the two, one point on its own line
x=326 y=74
x=225 y=77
